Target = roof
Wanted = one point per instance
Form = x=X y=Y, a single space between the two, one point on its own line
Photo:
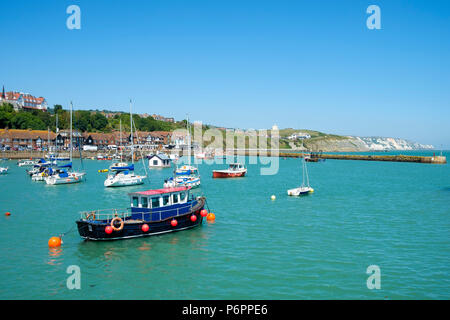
x=162 y=156
x=160 y=191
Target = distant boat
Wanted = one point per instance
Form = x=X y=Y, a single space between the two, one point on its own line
x=26 y=163
x=64 y=174
x=235 y=170
x=3 y=170
x=187 y=175
x=305 y=188
x=121 y=174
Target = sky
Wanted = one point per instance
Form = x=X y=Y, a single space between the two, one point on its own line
x=241 y=63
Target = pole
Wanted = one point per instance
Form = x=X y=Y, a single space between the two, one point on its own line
x=71 y=107
x=131 y=132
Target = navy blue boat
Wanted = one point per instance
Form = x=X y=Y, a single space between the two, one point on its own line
x=152 y=212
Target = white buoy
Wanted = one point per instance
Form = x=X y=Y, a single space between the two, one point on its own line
x=273 y=197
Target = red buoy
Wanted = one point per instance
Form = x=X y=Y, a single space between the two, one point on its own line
x=174 y=223
x=108 y=229
x=204 y=213
x=193 y=218
x=7 y=214
x=145 y=227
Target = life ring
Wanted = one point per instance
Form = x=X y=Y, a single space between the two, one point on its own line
x=114 y=227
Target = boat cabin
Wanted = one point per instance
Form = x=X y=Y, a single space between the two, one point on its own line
x=159 y=161
x=236 y=166
x=159 y=204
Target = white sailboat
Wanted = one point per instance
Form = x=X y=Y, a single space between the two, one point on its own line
x=187 y=175
x=120 y=173
x=305 y=188
x=64 y=174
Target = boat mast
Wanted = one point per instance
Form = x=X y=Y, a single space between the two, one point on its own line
x=189 y=139
x=71 y=107
x=120 y=140
x=131 y=132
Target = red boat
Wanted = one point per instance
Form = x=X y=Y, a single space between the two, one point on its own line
x=234 y=171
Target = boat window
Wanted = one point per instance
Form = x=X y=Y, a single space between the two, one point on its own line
x=155 y=202
x=175 y=198
x=166 y=199
x=183 y=196
x=135 y=202
x=144 y=202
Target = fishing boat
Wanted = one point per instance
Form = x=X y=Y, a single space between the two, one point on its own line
x=3 y=170
x=64 y=174
x=235 y=170
x=152 y=212
x=121 y=174
x=305 y=188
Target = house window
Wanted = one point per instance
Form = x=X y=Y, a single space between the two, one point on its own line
x=155 y=162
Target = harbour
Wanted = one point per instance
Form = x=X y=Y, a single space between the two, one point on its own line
x=356 y=217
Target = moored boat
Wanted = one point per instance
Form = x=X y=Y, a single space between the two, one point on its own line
x=3 y=170
x=235 y=170
x=152 y=212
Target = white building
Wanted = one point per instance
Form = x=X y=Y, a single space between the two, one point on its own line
x=158 y=161
x=299 y=135
x=25 y=101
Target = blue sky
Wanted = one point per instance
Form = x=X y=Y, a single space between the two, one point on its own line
x=243 y=63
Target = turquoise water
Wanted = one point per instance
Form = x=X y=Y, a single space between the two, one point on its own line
x=394 y=215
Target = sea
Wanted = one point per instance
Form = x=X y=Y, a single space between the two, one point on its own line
x=370 y=230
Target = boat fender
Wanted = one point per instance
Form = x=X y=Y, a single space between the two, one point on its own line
x=114 y=227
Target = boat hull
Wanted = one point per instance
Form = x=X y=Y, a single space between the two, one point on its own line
x=228 y=174
x=133 y=181
x=92 y=230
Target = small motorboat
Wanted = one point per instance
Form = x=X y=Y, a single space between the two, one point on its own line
x=3 y=170
x=152 y=212
x=122 y=175
x=234 y=171
x=26 y=163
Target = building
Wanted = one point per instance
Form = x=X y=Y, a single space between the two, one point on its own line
x=26 y=139
x=161 y=118
x=23 y=101
x=158 y=161
x=299 y=135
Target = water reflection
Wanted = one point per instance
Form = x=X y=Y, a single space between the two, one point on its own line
x=54 y=255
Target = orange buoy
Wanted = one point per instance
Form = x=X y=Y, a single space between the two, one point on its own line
x=193 y=218
x=54 y=242
x=211 y=216
x=7 y=214
x=174 y=223
x=145 y=227
x=204 y=213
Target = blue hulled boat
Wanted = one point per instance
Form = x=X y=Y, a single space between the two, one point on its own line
x=152 y=212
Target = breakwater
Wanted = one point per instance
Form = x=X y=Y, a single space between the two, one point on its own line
x=392 y=158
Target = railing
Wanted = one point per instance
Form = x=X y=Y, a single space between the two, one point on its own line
x=105 y=214
x=109 y=214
